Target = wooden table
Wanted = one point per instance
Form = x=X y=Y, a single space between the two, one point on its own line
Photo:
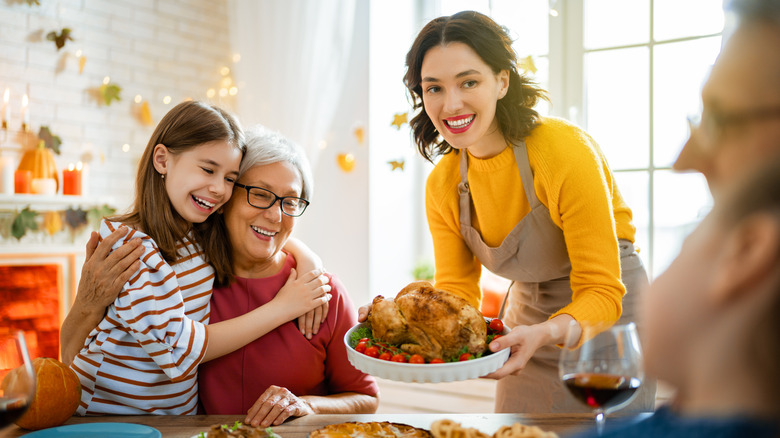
x=186 y=426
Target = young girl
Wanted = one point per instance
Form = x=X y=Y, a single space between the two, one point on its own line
x=143 y=357
x=712 y=323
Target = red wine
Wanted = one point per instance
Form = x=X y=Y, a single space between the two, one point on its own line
x=601 y=391
x=11 y=410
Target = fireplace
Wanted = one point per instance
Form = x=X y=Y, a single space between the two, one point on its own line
x=31 y=302
x=36 y=291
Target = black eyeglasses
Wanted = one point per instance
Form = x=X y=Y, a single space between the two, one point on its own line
x=713 y=124
x=263 y=199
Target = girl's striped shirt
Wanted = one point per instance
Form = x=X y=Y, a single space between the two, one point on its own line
x=143 y=357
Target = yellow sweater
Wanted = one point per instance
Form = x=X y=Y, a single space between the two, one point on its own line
x=572 y=179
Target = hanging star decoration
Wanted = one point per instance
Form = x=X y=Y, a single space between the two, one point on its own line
x=60 y=38
x=346 y=162
x=527 y=64
x=398 y=120
x=360 y=134
x=396 y=164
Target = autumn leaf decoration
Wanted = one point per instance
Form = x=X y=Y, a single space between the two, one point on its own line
x=60 y=38
x=33 y=2
x=110 y=92
x=52 y=141
x=24 y=221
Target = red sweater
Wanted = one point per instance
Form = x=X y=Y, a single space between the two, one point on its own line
x=231 y=384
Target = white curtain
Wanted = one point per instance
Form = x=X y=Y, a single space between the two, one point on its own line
x=294 y=56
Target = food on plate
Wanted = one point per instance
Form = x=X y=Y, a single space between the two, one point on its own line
x=369 y=429
x=57 y=393
x=238 y=430
x=451 y=429
x=428 y=321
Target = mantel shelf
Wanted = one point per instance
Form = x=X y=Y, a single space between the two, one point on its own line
x=52 y=202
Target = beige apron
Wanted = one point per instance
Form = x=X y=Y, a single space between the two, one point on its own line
x=535 y=258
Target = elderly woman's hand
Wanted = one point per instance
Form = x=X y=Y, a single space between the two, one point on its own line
x=274 y=406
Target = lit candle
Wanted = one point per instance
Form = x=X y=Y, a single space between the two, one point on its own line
x=22 y=181
x=44 y=186
x=4 y=111
x=71 y=180
x=25 y=114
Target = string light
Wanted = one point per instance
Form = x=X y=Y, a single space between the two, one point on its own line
x=138 y=98
x=211 y=93
x=125 y=147
x=224 y=71
x=167 y=100
x=236 y=57
x=233 y=91
x=106 y=80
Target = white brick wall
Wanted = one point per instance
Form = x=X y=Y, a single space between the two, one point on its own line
x=154 y=48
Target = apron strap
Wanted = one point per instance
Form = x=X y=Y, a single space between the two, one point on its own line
x=464 y=201
x=503 y=303
x=526 y=175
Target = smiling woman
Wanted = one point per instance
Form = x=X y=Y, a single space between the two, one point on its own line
x=276 y=178
x=527 y=197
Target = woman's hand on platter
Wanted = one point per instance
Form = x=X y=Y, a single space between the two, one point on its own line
x=304 y=293
x=363 y=312
x=523 y=340
x=274 y=406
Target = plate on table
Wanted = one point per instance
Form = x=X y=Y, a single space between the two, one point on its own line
x=424 y=372
x=98 y=430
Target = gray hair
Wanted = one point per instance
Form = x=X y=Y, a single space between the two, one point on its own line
x=751 y=11
x=265 y=146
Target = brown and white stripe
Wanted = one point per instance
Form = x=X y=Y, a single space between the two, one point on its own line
x=143 y=357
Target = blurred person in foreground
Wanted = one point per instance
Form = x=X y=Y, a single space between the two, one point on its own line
x=718 y=344
x=739 y=127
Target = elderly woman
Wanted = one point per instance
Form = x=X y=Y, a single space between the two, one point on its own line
x=285 y=372
x=281 y=374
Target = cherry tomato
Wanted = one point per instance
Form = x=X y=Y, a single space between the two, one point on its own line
x=399 y=358
x=496 y=337
x=361 y=347
x=465 y=356
x=386 y=356
x=372 y=351
x=496 y=325
x=437 y=360
x=416 y=358
x=364 y=340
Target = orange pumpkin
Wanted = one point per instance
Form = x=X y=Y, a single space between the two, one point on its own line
x=57 y=394
x=40 y=161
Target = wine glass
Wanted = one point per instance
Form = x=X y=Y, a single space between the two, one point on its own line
x=17 y=380
x=602 y=367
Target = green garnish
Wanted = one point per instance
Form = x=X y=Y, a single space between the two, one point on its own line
x=271 y=433
x=360 y=333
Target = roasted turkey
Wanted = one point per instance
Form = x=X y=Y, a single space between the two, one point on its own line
x=429 y=322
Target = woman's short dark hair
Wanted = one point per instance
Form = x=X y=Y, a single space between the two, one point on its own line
x=514 y=112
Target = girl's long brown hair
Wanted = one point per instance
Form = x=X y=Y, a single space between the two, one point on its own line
x=187 y=125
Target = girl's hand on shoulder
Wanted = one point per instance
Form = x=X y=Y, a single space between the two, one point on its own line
x=274 y=406
x=309 y=324
x=304 y=293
